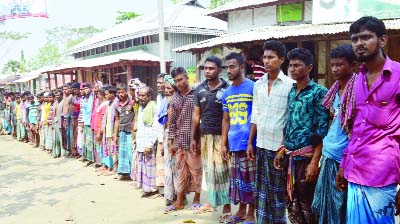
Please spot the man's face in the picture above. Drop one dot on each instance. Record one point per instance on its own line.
(50, 99)
(87, 90)
(169, 90)
(100, 96)
(211, 71)
(271, 61)
(144, 97)
(58, 97)
(341, 68)
(182, 82)
(40, 99)
(75, 91)
(18, 100)
(298, 70)
(24, 98)
(233, 69)
(160, 85)
(122, 95)
(66, 90)
(366, 45)
(31, 100)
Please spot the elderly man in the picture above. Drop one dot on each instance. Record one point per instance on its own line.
(146, 137)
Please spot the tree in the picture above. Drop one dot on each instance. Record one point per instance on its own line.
(49, 54)
(67, 37)
(12, 66)
(9, 35)
(176, 1)
(216, 3)
(125, 16)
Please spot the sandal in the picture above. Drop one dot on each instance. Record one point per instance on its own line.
(248, 222)
(233, 220)
(224, 216)
(204, 209)
(170, 209)
(195, 206)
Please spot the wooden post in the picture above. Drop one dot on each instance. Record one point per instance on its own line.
(72, 75)
(129, 73)
(63, 78)
(198, 73)
(49, 80)
(55, 80)
(111, 79)
(83, 75)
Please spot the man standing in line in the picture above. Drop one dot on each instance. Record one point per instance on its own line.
(110, 136)
(237, 103)
(24, 104)
(18, 114)
(146, 137)
(371, 161)
(124, 122)
(330, 204)
(270, 110)
(32, 117)
(58, 147)
(306, 126)
(68, 108)
(50, 121)
(88, 142)
(160, 175)
(206, 136)
(188, 163)
(76, 101)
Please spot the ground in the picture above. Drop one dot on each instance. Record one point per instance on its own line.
(34, 188)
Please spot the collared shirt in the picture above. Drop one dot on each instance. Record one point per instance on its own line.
(18, 110)
(237, 101)
(336, 140)
(270, 111)
(45, 112)
(87, 109)
(146, 135)
(307, 118)
(210, 103)
(372, 157)
(181, 119)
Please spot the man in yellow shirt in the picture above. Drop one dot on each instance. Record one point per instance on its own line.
(20, 127)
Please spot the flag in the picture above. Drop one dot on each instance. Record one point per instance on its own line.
(12, 9)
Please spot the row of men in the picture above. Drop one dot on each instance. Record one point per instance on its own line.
(265, 146)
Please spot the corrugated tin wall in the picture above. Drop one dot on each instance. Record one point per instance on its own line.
(178, 40)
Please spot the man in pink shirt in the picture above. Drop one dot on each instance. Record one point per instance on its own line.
(371, 161)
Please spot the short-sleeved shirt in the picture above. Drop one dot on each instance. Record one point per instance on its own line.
(86, 109)
(238, 101)
(126, 115)
(210, 103)
(307, 118)
(33, 112)
(336, 140)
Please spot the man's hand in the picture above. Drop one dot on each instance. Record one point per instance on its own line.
(341, 182)
(250, 152)
(171, 148)
(115, 138)
(397, 202)
(277, 162)
(311, 172)
(225, 153)
(147, 152)
(193, 145)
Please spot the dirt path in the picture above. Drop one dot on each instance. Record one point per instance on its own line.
(35, 188)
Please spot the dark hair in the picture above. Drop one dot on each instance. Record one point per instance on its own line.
(178, 71)
(161, 75)
(214, 59)
(148, 89)
(233, 55)
(26, 93)
(343, 51)
(301, 54)
(122, 86)
(368, 23)
(51, 94)
(277, 46)
(102, 91)
(112, 90)
(59, 92)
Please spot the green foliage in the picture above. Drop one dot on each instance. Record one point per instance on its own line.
(49, 54)
(9, 35)
(176, 1)
(67, 37)
(12, 66)
(125, 16)
(216, 3)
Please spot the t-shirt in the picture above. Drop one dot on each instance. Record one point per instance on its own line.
(33, 112)
(126, 115)
(210, 103)
(336, 140)
(238, 101)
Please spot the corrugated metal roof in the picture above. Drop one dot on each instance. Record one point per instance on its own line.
(8, 80)
(187, 17)
(238, 4)
(139, 55)
(277, 32)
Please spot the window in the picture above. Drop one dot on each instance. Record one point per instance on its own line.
(154, 38)
(114, 47)
(128, 43)
(136, 42)
(92, 51)
(121, 45)
(290, 12)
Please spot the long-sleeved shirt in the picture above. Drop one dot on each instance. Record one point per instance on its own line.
(87, 109)
(372, 157)
(307, 120)
(270, 111)
(181, 119)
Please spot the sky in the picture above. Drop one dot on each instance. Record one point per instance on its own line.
(75, 13)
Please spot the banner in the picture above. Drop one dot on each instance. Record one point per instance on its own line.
(12, 9)
(333, 11)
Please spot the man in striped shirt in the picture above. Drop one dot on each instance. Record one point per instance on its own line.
(32, 115)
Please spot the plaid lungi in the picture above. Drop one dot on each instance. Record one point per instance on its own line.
(88, 145)
(189, 169)
(242, 183)
(271, 191)
(98, 153)
(171, 175)
(79, 140)
(146, 172)
(49, 137)
(216, 170)
(125, 153)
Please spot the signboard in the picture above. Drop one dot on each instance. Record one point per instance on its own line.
(12, 9)
(290, 12)
(332, 11)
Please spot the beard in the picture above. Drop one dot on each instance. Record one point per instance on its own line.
(369, 57)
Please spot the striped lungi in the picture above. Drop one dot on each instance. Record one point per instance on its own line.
(49, 137)
(146, 172)
(171, 175)
(215, 170)
(79, 140)
(160, 172)
(125, 153)
(88, 146)
(271, 191)
(242, 183)
(329, 203)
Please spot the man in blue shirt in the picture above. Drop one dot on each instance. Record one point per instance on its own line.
(306, 126)
(32, 117)
(237, 103)
(329, 203)
(86, 109)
